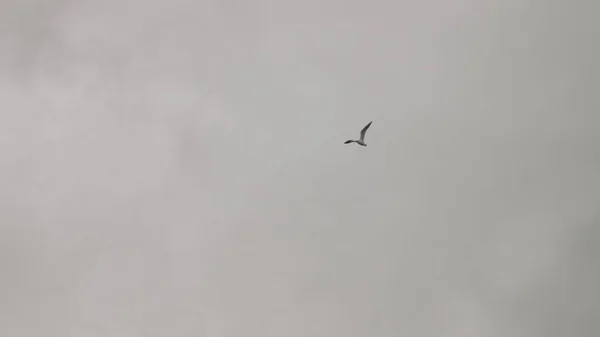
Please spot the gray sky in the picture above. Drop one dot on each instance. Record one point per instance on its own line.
(176, 168)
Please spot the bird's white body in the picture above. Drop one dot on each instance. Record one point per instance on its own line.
(360, 141)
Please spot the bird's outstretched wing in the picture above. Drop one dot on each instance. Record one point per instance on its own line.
(349, 141)
(364, 131)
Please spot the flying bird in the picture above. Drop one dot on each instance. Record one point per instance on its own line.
(361, 141)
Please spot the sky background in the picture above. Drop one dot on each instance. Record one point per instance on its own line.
(177, 168)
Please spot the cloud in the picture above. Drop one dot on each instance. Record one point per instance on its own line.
(177, 168)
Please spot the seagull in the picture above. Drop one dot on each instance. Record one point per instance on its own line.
(361, 141)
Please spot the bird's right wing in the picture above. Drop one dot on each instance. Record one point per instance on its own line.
(364, 131)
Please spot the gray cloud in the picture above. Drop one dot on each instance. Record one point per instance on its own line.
(177, 168)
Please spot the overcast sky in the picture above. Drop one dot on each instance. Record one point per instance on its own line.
(177, 168)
